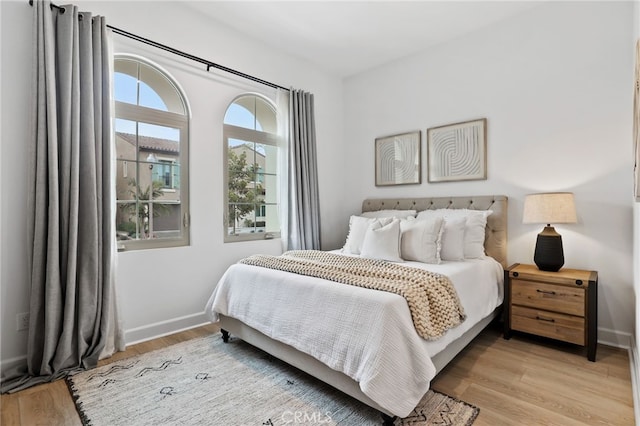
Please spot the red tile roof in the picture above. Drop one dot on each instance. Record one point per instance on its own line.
(150, 143)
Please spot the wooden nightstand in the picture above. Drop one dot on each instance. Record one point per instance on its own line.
(561, 305)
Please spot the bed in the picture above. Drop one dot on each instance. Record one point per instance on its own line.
(361, 341)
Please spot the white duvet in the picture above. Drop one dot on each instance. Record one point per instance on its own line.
(366, 334)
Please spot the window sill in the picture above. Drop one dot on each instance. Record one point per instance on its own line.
(261, 236)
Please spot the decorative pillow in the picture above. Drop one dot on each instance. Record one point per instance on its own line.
(452, 239)
(357, 229)
(400, 214)
(382, 241)
(420, 240)
(474, 232)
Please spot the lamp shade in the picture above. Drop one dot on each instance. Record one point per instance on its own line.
(550, 207)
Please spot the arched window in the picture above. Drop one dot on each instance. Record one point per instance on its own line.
(251, 169)
(152, 147)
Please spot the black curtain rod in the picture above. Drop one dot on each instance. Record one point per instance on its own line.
(209, 64)
(164, 47)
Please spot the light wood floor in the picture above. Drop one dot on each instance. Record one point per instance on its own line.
(535, 381)
(522, 381)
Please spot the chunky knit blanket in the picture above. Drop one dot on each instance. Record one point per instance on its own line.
(431, 297)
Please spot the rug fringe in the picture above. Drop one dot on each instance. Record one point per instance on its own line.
(74, 394)
(476, 410)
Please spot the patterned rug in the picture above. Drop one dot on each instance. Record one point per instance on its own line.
(207, 382)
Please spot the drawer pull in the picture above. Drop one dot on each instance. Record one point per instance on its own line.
(553, 293)
(538, 317)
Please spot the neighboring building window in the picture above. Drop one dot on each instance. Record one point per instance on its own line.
(251, 169)
(167, 172)
(152, 148)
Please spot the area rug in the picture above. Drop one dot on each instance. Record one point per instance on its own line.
(207, 382)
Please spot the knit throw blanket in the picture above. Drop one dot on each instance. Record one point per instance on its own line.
(432, 299)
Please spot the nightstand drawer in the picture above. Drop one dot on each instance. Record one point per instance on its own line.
(549, 324)
(549, 297)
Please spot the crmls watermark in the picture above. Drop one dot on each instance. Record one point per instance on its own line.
(306, 417)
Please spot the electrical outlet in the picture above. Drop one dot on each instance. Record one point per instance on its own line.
(22, 321)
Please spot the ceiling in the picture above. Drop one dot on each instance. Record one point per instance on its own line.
(348, 37)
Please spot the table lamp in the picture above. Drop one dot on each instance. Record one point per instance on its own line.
(550, 207)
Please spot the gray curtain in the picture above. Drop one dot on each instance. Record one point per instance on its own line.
(71, 231)
(304, 200)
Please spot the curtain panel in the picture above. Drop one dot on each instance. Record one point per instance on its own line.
(303, 219)
(73, 311)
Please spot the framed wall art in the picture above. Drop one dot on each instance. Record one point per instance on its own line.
(398, 159)
(457, 151)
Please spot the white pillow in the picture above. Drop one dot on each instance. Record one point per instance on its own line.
(474, 229)
(474, 233)
(420, 240)
(400, 214)
(382, 241)
(357, 229)
(453, 239)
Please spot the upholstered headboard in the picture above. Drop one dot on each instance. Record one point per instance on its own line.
(495, 242)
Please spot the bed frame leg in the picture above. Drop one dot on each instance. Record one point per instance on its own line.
(388, 420)
(225, 335)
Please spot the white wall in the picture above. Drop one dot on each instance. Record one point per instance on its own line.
(634, 352)
(164, 289)
(15, 84)
(555, 84)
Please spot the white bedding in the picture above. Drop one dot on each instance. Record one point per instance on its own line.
(366, 334)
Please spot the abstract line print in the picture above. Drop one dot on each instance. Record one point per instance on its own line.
(457, 152)
(398, 159)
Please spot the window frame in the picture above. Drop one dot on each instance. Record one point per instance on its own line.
(231, 131)
(138, 113)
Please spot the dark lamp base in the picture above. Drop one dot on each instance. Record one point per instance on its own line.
(549, 255)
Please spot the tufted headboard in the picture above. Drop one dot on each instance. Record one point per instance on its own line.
(495, 242)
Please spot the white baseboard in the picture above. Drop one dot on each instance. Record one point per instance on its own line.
(634, 361)
(133, 336)
(614, 338)
(11, 363)
(164, 328)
